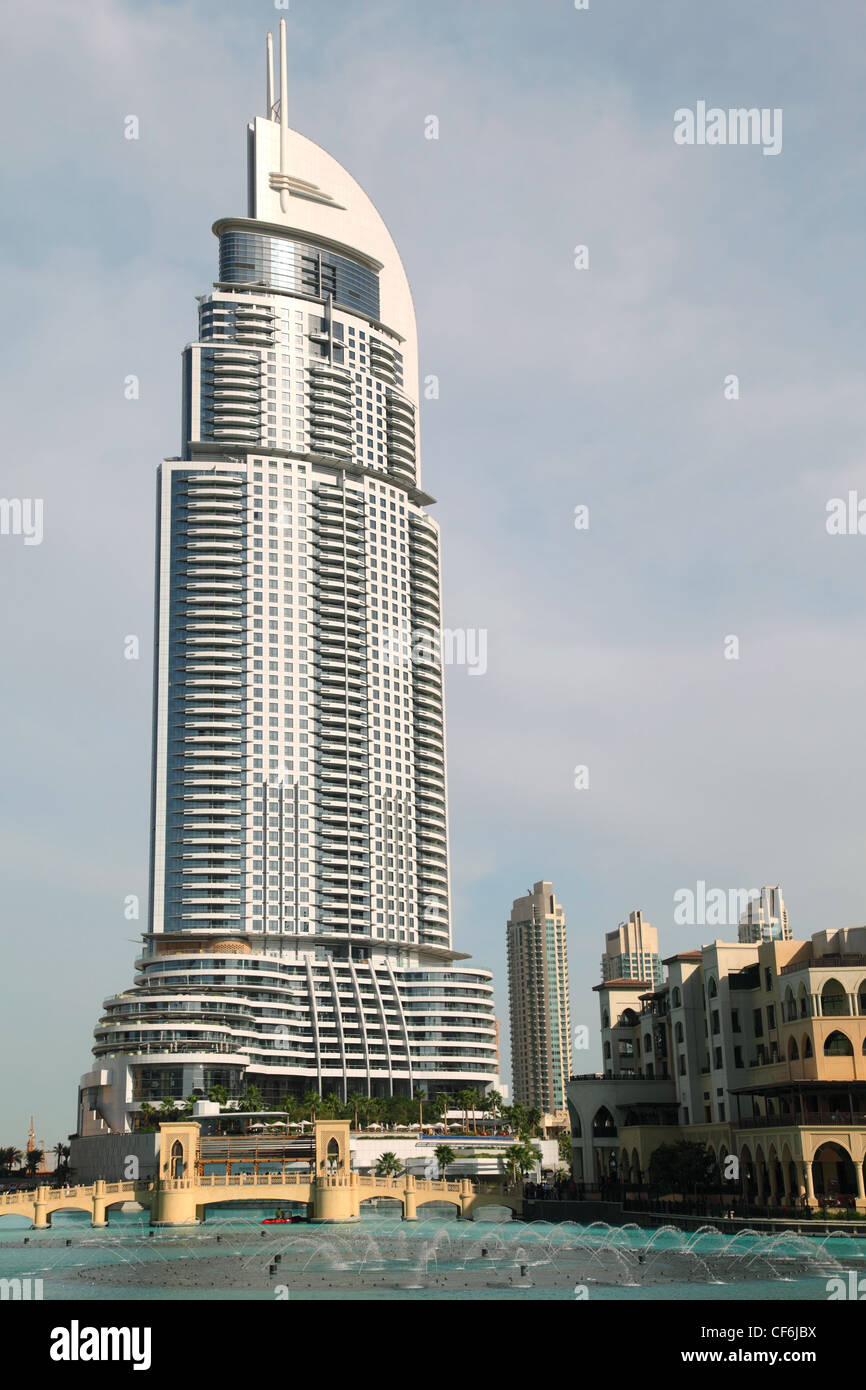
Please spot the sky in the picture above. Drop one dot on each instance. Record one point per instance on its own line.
(608, 648)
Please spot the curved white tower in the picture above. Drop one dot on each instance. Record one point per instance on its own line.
(300, 926)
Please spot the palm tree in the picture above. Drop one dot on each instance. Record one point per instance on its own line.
(521, 1159)
(289, 1106)
(252, 1100)
(494, 1104)
(61, 1153)
(464, 1100)
(420, 1097)
(356, 1102)
(147, 1116)
(312, 1102)
(441, 1105)
(518, 1118)
(533, 1118)
(32, 1161)
(331, 1106)
(444, 1155)
(476, 1100)
(9, 1158)
(388, 1166)
(167, 1112)
(218, 1095)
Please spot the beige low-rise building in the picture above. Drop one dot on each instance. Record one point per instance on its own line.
(756, 1050)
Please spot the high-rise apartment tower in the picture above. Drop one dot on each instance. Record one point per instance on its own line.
(538, 1000)
(300, 931)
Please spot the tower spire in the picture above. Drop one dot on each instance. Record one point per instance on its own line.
(269, 108)
(284, 117)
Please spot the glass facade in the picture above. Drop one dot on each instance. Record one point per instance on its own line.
(281, 263)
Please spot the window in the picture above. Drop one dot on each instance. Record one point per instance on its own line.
(738, 1056)
(758, 1023)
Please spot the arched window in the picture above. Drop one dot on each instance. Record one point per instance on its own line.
(807, 1047)
(838, 1045)
(177, 1159)
(603, 1126)
(678, 1032)
(628, 1018)
(712, 991)
(648, 1042)
(793, 1050)
(861, 997)
(834, 1000)
(676, 997)
(605, 1019)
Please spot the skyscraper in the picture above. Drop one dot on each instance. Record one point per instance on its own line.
(631, 951)
(300, 932)
(765, 918)
(538, 999)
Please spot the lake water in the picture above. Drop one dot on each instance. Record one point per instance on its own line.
(382, 1242)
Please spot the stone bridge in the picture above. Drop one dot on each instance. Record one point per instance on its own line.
(332, 1191)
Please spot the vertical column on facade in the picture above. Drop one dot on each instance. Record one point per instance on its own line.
(807, 1177)
(362, 1022)
(314, 1019)
(338, 1019)
(403, 1027)
(774, 1182)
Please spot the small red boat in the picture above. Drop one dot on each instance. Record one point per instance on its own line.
(277, 1220)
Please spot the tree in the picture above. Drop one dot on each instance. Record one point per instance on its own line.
(464, 1100)
(312, 1103)
(533, 1118)
(188, 1106)
(564, 1148)
(441, 1105)
(476, 1100)
(493, 1106)
(218, 1095)
(32, 1160)
(147, 1117)
(167, 1112)
(289, 1107)
(517, 1117)
(521, 1159)
(252, 1100)
(61, 1153)
(330, 1106)
(356, 1102)
(388, 1166)
(682, 1168)
(420, 1097)
(9, 1158)
(444, 1155)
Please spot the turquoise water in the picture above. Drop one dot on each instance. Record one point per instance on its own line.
(436, 1242)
